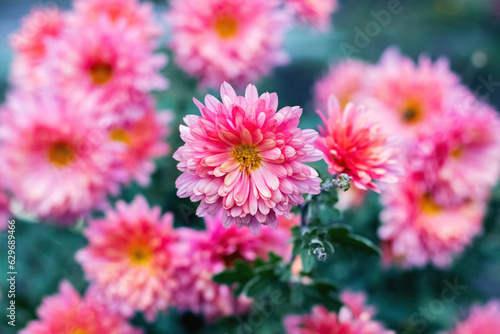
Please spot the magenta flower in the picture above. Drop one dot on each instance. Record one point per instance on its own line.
(67, 312)
(421, 226)
(136, 15)
(134, 122)
(353, 318)
(209, 252)
(355, 143)
(227, 40)
(56, 160)
(130, 258)
(482, 319)
(4, 209)
(246, 157)
(344, 80)
(316, 13)
(104, 58)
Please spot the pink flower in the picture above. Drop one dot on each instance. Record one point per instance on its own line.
(5, 214)
(67, 312)
(227, 40)
(420, 226)
(466, 150)
(134, 122)
(246, 157)
(344, 80)
(104, 58)
(130, 258)
(30, 45)
(210, 252)
(137, 15)
(314, 12)
(408, 97)
(354, 143)
(356, 320)
(56, 161)
(482, 319)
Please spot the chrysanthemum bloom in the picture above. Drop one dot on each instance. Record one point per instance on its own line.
(105, 58)
(30, 47)
(136, 14)
(314, 12)
(227, 40)
(420, 226)
(58, 162)
(482, 319)
(246, 157)
(408, 96)
(466, 147)
(355, 143)
(347, 321)
(344, 80)
(209, 252)
(134, 122)
(130, 258)
(68, 313)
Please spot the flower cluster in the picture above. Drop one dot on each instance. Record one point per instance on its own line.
(452, 140)
(246, 157)
(482, 319)
(353, 318)
(80, 121)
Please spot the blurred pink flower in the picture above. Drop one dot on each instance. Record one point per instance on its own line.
(408, 96)
(420, 227)
(227, 40)
(246, 157)
(355, 320)
(350, 199)
(482, 319)
(354, 143)
(137, 15)
(130, 258)
(210, 252)
(134, 122)
(314, 12)
(30, 43)
(56, 160)
(67, 312)
(104, 58)
(344, 80)
(5, 214)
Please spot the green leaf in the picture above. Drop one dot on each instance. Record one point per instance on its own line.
(241, 273)
(308, 261)
(344, 236)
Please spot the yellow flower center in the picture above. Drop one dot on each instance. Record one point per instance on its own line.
(457, 152)
(412, 112)
(247, 156)
(78, 331)
(101, 73)
(140, 254)
(226, 27)
(61, 154)
(429, 206)
(119, 134)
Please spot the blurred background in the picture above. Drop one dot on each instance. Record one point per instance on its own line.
(467, 32)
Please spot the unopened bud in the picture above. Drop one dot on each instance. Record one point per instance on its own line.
(344, 182)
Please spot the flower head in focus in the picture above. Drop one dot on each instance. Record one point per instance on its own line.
(227, 40)
(353, 318)
(56, 160)
(245, 156)
(482, 319)
(316, 13)
(68, 312)
(131, 257)
(355, 143)
(210, 252)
